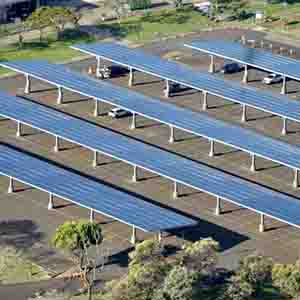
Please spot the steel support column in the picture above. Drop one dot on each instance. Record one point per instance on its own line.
(133, 236)
(98, 67)
(27, 89)
(92, 215)
(212, 68)
(95, 159)
(262, 223)
(50, 203)
(19, 129)
(131, 77)
(284, 88)
(172, 135)
(212, 148)
(244, 113)
(218, 206)
(60, 95)
(204, 104)
(245, 77)
(133, 122)
(253, 165)
(135, 174)
(175, 192)
(159, 236)
(284, 126)
(296, 178)
(56, 146)
(167, 89)
(10, 185)
(97, 108)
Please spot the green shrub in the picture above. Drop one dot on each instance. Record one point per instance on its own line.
(139, 4)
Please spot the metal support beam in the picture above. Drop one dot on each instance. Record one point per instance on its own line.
(296, 179)
(95, 159)
(19, 129)
(212, 148)
(167, 89)
(92, 215)
(159, 236)
(50, 203)
(98, 66)
(245, 77)
(172, 135)
(284, 126)
(27, 89)
(253, 165)
(244, 113)
(10, 185)
(56, 146)
(212, 68)
(97, 108)
(60, 95)
(131, 77)
(204, 104)
(133, 236)
(262, 223)
(175, 192)
(135, 174)
(133, 122)
(284, 88)
(218, 206)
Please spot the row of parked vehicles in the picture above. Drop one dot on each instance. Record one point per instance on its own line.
(107, 72)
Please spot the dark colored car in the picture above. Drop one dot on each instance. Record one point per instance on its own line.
(231, 68)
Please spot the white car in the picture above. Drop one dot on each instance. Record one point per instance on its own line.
(118, 112)
(272, 78)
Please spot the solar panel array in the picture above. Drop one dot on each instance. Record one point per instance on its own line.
(185, 171)
(196, 123)
(88, 193)
(154, 65)
(253, 57)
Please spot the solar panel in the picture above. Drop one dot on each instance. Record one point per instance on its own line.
(171, 166)
(176, 72)
(196, 123)
(253, 57)
(87, 193)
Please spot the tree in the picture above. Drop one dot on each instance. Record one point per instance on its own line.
(255, 270)
(38, 20)
(119, 7)
(237, 290)
(59, 17)
(287, 279)
(178, 3)
(79, 237)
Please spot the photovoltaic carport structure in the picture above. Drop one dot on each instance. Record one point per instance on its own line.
(171, 115)
(87, 193)
(263, 60)
(107, 201)
(135, 59)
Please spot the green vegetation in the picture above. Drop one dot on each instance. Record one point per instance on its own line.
(150, 26)
(15, 268)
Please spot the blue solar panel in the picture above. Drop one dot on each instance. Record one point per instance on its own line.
(137, 59)
(187, 172)
(196, 123)
(88, 193)
(253, 57)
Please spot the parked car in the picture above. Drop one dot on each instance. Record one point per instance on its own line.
(111, 71)
(231, 68)
(272, 78)
(174, 87)
(203, 7)
(118, 113)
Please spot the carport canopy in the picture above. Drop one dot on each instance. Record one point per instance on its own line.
(119, 205)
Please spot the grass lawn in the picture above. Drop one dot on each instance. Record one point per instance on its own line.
(15, 268)
(54, 51)
(155, 25)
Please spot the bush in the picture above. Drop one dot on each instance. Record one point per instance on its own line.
(287, 279)
(256, 270)
(139, 4)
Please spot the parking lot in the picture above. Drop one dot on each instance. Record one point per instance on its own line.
(30, 225)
